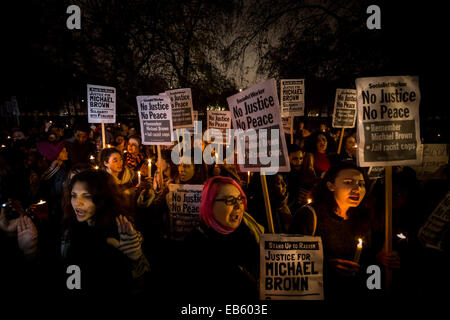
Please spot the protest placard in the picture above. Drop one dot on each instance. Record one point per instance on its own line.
(257, 108)
(155, 117)
(183, 201)
(375, 173)
(101, 104)
(435, 232)
(291, 267)
(434, 158)
(388, 132)
(344, 114)
(292, 94)
(182, 107)
(220, 120)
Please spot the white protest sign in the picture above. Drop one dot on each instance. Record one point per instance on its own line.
(375, 173)
(434, 233)
(257, 108)
(183, 201)
(182, 108)
(291, 267)
(155, 117)
(292, 94)
(434, 157)
(388, 132)
(101, 103)
(344, 114)
(218, 120)
(288, 123)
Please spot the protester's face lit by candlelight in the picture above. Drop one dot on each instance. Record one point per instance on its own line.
(81, 136)
(321, 143)
(350, 144)
(114, 163)
(228, 215)
(82, 202)
(186, 171)
(18, 135)
(63, 155)
(133, 146)
(296, 159)
(162, 164)
(349, 188)
(279, 185)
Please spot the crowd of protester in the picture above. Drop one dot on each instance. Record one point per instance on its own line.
(69, 201)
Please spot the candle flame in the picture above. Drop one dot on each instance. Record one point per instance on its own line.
(96, 167)
(360, 243)
(41, 202)
(356, 146)
(149, 162)
(139, 173)
(309, 201)
(108, 146)
(401, 236)
(91, 157)
(248, 172)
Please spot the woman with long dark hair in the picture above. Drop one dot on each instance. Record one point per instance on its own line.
(98, 235)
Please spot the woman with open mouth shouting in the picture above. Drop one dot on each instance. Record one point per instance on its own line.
(336, 214)
(224, 249)
(99, 237)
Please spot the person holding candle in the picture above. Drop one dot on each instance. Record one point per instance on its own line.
(300, 180)
(341, 221)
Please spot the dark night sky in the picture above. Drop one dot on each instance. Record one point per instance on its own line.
(413, 36)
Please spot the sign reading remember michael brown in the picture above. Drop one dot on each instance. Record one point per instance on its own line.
(388, 130)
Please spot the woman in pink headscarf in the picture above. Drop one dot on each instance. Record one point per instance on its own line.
(225, 247)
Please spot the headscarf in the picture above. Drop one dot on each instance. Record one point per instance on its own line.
(209, 193)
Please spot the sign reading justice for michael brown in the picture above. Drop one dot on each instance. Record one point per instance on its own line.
(388, 131)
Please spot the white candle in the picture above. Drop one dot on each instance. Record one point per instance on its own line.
(139, 177)
(359, 247)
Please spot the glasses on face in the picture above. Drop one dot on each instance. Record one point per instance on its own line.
(231, 201)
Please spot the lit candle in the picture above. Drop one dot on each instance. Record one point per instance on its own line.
(309, 201)
(91, 157)
(139, 177)
(401, 236)
(358, 251)
(150, 168)
(41, 202)
(96, 167)
(217, 158)
(108, 146)
(248, 177)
